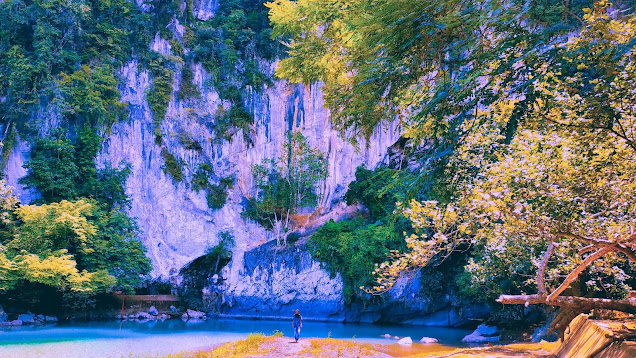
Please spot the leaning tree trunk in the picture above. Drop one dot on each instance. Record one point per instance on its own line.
(581, 304)
(577, 303)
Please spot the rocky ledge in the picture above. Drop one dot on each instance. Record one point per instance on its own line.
(20, 319)
(271, 281)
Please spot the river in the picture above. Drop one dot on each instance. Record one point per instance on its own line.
(130, 338)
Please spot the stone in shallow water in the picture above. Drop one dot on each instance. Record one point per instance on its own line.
(405, 341)
(428, 340)
(153, 311)
(386, 335)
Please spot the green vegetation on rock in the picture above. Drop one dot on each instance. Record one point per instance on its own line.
(172, 166)
(517, 134)
(285, 186)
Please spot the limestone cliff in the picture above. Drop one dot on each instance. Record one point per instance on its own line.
(178, 225)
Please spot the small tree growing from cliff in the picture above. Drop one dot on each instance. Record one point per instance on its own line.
(282, 187)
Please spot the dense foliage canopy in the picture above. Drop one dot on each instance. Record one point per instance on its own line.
(520, 114)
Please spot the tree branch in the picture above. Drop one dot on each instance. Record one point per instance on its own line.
(582, 303)
(542, 266)
(575, 274)
(627, 251)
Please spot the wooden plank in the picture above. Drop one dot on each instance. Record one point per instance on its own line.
(148, 298)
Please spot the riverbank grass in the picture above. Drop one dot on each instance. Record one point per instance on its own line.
(248, 347)
(318, 347)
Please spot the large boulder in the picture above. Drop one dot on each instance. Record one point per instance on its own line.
(27, 318)
(483, 334)
(476, 337)
(426, 340)
(487, 330)
(619, 349)
(586, 338)
(405, 341)
(153, 311)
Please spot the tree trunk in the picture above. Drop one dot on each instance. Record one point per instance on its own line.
(576, 303)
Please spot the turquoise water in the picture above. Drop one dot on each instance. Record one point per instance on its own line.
(125, 339)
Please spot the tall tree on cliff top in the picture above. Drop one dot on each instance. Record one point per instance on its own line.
(536, 131)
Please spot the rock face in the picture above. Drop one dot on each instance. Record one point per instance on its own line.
(176, 222)
(178, 226)
(272, 282)
(586, 338)
(205, 9)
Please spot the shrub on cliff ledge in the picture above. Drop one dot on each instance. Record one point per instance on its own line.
(353, 249)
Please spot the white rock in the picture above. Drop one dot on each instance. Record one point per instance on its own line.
(153, 311)
(386, 335)
(405, 341)
(195, 314)
(428, 340)
(17, 322)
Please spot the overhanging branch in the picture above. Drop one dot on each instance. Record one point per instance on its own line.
(582, 303)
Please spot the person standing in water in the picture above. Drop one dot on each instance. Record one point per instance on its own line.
(297, 324)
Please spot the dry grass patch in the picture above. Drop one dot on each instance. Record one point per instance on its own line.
(250, 346)
(329, 347)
